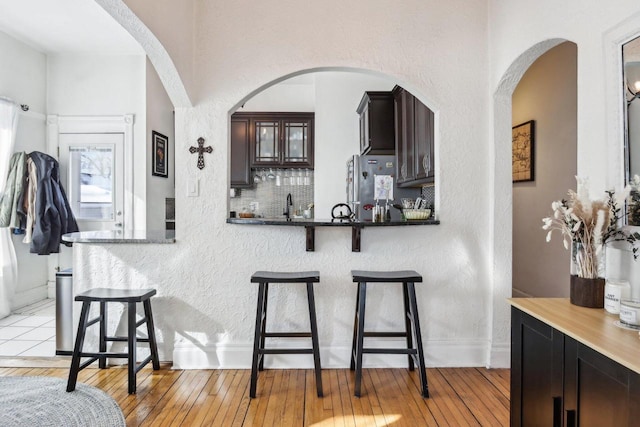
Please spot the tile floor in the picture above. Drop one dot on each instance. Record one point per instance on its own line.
(30, 331)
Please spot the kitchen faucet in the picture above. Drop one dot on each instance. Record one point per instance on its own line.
(286, 212)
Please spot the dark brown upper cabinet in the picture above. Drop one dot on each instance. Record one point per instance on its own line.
(414, 135)
(376, 123)
(280, 139)
(240, 146)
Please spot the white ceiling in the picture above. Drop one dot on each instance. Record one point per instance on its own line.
(65, 26)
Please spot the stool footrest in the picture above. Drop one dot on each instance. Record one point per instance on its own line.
(285, 351)
(390, 350)
(105, 354)
(385, 334)
(141, 322)
(287, 334)
(125, 339)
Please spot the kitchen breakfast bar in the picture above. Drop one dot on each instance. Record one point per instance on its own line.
(311, 224)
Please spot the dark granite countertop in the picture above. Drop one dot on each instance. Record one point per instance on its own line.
(121, 236)
(327, 222)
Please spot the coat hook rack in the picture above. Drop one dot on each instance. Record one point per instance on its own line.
(24, 107)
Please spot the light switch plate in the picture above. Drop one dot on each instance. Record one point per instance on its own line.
(193, 187)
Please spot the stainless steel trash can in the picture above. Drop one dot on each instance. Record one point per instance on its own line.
(64, 312)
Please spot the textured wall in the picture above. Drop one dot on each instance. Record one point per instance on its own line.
(438, 51)
(547, 94)
(203, 280)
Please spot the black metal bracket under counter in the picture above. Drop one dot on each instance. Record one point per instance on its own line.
(311, 224)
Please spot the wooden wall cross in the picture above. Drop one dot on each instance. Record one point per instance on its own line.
(200, 149)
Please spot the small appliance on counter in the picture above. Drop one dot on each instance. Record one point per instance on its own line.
(370, 182)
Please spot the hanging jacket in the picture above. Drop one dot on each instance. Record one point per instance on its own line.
(53, 216)
(13, 191)
(27, 203)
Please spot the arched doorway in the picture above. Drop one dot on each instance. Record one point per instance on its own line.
(546, 94)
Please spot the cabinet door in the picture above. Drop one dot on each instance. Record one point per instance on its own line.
(423, 141)
(365, 140)
(297, 140)
(240, 146)
(398, 117)
(536, 372)
(598, 391)
(266, 142)
(405, 131)
(377, 123)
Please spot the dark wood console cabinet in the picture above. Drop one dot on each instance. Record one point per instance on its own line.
(414, 135)
(376, 123)
(557, 380)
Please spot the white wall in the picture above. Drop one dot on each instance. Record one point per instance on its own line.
(547, 94)
(159, 118)
(103, 85)
(294, 94)
(429, 48)
(23, 79)
(337, 132)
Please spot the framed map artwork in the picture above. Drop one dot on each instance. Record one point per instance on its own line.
(523, 137)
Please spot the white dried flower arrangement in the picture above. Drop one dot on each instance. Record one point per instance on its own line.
(589, 223)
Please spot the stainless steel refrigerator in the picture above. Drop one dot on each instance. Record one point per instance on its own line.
(371, 177)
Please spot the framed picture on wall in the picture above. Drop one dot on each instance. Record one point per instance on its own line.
(523, 138)
(159, 155)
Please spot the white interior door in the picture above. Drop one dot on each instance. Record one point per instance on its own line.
(92, 171)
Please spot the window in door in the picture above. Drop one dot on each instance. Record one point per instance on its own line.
(91, 169)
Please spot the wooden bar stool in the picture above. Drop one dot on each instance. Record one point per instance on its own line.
(103, 296)
(264, 278)
(412, 323)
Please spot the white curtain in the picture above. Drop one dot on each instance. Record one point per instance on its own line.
(8, 260)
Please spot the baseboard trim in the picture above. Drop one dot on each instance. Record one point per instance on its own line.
(186, 355)
(500, 356)
(30, 296)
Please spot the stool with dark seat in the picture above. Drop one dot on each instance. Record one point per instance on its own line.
(412, 323)
(259, 350)
(103, 296)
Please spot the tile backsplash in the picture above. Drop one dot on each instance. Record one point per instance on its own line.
(267, 199)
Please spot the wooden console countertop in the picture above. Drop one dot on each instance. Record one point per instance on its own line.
(593, 327)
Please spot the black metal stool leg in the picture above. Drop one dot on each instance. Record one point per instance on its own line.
(362, 296)
(132, 342)
(263, 330)
(257, 339)
(352, 366)
(153, 345)
(314, 338)
(102, 347)
(407, 322)
(75, 360)
(418, 335)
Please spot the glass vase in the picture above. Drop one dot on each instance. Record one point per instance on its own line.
(588, 261)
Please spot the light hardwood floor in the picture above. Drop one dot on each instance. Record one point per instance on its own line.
(390, 397)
